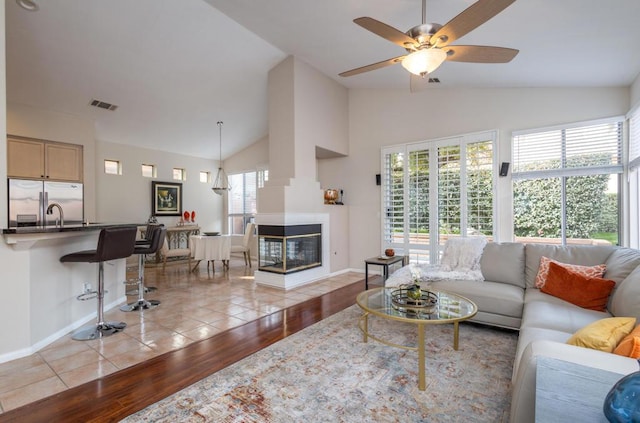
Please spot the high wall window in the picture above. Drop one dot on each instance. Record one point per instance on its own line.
(112, 167)
(179, 174)
(242, 201)
(566, 183)
(436, 190)
(148, 171)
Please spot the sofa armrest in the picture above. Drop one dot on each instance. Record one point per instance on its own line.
(523, 398)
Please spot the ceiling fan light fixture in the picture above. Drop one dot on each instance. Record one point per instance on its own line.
(424, 61)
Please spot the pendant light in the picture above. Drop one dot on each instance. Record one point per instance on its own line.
(221, 183)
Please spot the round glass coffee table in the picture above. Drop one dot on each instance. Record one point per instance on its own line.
(450, 308)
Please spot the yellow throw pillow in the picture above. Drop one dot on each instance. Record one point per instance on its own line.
(604, 334)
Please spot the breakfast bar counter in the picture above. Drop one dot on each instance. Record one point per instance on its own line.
(24, 237)
(41, 291)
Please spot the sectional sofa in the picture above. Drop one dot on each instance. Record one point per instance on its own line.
(508, 297)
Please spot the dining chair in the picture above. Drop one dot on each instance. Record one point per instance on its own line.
(245, 248)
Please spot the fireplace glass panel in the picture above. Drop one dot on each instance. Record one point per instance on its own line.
(288, 249)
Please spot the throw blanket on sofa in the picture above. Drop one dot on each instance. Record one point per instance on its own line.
(460, 261)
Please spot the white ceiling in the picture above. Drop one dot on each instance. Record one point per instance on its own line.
(176, 67)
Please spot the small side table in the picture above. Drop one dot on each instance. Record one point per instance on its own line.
(385, 263)
(568, 391)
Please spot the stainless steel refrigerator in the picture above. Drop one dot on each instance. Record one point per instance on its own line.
(29, 200)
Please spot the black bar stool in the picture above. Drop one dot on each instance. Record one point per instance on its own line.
(155, 239)
(145, 241)
(113, 243)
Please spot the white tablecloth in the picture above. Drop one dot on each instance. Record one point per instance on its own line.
(210, 247)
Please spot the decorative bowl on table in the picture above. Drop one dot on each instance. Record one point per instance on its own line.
(405, 300)
(211, 233)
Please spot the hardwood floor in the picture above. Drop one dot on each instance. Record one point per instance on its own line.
(120, 394)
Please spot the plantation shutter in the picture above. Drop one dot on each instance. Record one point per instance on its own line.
(479, 205)
(418, 196)
(634, 138)
(393, 167)
(579, 149)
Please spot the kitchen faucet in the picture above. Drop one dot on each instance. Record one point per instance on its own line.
(59, 207)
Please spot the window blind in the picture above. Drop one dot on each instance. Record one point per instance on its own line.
(579, 149)
(634, 138)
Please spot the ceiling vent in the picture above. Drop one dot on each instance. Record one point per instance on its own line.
(434, 80)
(103, 105)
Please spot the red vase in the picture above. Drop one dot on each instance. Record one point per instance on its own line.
(186, 216)
(193, 216)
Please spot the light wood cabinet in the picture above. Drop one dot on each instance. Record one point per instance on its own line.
(38, 159)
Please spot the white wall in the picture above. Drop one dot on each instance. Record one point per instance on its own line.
(251, 158)
(380, 118)
(127, 197)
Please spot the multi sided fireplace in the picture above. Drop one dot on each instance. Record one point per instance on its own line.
(290, 248)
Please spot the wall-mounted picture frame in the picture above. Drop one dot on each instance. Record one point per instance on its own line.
(166, 199)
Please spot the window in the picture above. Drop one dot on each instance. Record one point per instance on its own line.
(436, 190)
(179, 174)
(112, 167)
(263, 176)
(566, 182)
(148, 171)
(205, 177)
(242, 201)
(634, 177)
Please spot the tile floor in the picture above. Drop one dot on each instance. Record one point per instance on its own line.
(194, 306)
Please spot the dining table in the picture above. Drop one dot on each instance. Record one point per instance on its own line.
(210, 248)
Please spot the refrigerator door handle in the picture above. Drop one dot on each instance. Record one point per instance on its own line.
(41, 217)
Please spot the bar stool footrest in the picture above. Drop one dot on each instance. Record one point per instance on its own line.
(89, 295)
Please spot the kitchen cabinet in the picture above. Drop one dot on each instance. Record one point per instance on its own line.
(48, 160)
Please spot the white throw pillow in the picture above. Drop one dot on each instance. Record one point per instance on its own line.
(462, 254)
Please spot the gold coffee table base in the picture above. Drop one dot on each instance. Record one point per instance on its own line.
(451, 308)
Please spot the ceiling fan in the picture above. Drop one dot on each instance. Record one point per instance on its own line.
(428, 44)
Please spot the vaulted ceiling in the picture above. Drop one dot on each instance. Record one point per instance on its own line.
(176, 67)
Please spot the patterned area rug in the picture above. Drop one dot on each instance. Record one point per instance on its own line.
(327, 373)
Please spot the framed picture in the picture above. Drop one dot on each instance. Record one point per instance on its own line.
(166, 199)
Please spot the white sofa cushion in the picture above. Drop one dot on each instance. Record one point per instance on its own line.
(625, 300)
(621, 263)
(530, 334)
(549, 312)
(503, 262)
(499, 298)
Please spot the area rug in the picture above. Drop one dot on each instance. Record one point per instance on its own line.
(326, 373)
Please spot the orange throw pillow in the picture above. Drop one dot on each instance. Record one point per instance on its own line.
(583, 291)
(596, 271)
(630, 345)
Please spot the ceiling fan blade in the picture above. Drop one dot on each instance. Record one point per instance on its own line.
(387, 32)
(471, 18)
(373, 66)
(480, 54)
